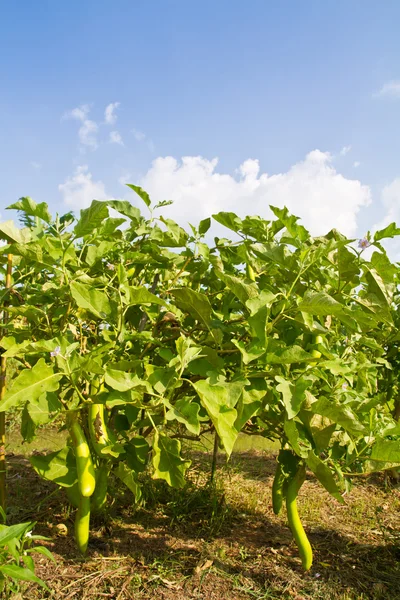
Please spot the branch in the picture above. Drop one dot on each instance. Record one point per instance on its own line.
(144, 319)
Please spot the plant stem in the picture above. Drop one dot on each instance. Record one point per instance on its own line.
(3, 367)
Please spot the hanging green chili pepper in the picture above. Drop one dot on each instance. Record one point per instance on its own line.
(84, 464)
(295, 524)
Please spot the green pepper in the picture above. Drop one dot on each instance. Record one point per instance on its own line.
(96, 421)
(250, 272)
(82, 524)
(278, 491)
(100, 493)
(97, 428)
(294, 521)
(317, 339)
(84, 464)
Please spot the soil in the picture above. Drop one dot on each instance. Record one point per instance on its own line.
(214, 543)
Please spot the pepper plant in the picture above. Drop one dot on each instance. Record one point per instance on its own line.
(139, 333)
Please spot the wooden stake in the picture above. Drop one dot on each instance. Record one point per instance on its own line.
(214, 457)
(3, 368)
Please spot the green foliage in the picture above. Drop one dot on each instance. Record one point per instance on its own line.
(16, 549)
(188, 338)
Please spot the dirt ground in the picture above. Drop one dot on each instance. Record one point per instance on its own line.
(214, 543)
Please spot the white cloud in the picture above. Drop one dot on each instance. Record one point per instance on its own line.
(115, 138)
(79, 190)
(109, 114)
(356, 164)
(311, 189)
(125, 178)
(87, 134)
(345, 150)
(36, 165)
(391, 88)
(139, 135)
(142, 137)
(390, 198)
(88, 131)
(80, 113)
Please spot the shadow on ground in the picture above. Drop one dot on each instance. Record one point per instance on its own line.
(212, 542)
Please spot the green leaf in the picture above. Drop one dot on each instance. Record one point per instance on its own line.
(322, 430)
(229, 220)
(96, 252)
(258, 324)
(250, 352)
(259, 312)
(347, 265)
(59, 467)
(141, 193)
(186, 352)
(174, 237)
(41, 409)
(376, 286)
(129, 478)
(90, 299)
(286, 356)
(30, 384)
(137, 451)
(29, 207)
(28, 347)
(141, 295)
(324, 475)
(382, 265)
(204, 226)
(9, 532)
(28, 427)
(22, 574)
(336, 367)
(272, 253)
(261, 300)
(297, 437)
(320, 303)
(125, 208)
(186, 412)
(290, 222)
(372, 466)
(342, 415)
(215, 400)
(388, 232)
(114, 397)
(167, 461)
(243, 291)
(209, 361)
(194, 303)
(293, 395)
(91, 218)
(123, 381)
(386, 451)
(41, 550)
(161, 378)
(248, 406)
(28, 562)
(10, 233)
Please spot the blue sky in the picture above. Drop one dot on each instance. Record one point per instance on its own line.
(310, 90)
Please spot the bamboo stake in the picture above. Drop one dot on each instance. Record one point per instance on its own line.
(214, 457)
(3, 368)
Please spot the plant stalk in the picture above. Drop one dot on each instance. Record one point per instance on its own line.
(3, 369)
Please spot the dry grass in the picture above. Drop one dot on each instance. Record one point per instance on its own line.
(214, 544)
